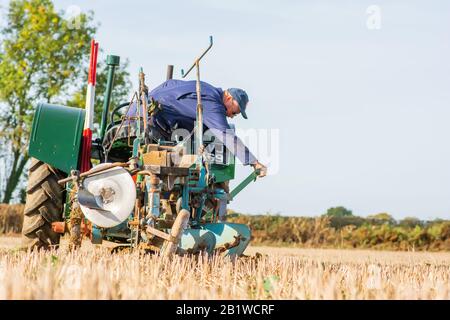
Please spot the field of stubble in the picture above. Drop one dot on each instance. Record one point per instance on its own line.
(281, 273)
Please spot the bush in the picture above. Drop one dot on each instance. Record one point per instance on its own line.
(379, 231)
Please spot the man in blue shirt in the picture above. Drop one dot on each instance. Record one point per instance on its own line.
(179, 104)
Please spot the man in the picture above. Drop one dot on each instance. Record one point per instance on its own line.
(179, 104)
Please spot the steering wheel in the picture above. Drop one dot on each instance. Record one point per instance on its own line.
(115, 113)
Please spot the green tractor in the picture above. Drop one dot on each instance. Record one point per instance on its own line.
(162, 196)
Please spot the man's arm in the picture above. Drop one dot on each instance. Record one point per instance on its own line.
(237, 147)
(217, 123)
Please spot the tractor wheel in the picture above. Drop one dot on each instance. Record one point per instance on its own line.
(44, 205)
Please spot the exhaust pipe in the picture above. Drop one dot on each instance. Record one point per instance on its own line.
(169, 72)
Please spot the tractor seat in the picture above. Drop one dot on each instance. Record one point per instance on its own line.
(128, 129)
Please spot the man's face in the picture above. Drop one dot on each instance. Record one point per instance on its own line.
(231, 105)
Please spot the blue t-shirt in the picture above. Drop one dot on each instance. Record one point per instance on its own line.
(179, 106)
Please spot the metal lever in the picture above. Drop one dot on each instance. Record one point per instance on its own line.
(199, 114)
(183, 75)
(243, 184)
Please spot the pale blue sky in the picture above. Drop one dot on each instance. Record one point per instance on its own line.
(363, 114)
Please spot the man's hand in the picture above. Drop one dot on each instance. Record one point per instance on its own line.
(262, 169)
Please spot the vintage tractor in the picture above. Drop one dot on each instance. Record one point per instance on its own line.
(158, 195)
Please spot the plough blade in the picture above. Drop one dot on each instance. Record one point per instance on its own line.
(229, 239)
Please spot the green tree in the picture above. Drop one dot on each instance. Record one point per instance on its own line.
(410, 222)
(42, 58)
(339, 212)
(382, 217)
(122, 87)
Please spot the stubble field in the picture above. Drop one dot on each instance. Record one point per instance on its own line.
(279, 273)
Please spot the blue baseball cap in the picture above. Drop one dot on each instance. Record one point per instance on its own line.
(241, 97)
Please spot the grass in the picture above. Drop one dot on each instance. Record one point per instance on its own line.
(281, 273)
(95, 273)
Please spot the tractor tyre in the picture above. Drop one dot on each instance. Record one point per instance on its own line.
(44, 205)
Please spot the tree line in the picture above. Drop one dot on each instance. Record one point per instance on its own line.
(326, 231)
(336, 230)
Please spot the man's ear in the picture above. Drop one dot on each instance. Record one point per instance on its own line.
(225, 96)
